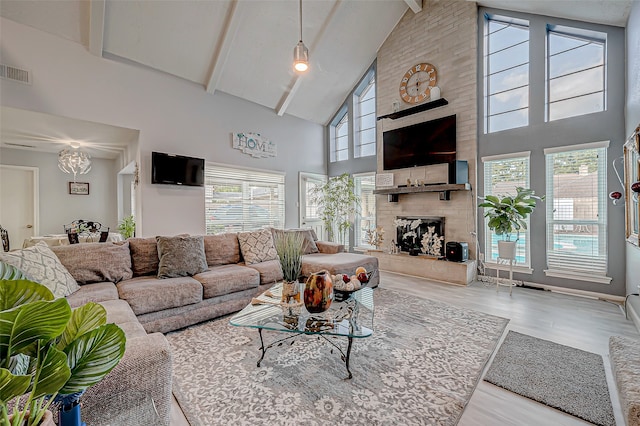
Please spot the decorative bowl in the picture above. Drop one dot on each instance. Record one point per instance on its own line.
(343, 295)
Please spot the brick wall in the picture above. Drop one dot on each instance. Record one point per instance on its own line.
(444, 34)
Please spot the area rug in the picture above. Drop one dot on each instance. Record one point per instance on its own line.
(559, 376)
(420, 367)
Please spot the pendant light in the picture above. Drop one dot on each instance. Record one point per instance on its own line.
(300, 52)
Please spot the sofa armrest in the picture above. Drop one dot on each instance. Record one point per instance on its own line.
(146, 369)
(328, 247)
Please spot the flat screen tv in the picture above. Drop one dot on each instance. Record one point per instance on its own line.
(176, 169)
(431, 142)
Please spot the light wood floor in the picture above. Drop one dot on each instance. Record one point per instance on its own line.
(570, 320)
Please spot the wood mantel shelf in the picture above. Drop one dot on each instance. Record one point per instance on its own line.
(424, 188)
(416, 109)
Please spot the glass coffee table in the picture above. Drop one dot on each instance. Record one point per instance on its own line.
(350, 319)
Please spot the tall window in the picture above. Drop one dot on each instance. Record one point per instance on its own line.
(340, 138)
(506, 74)
(365, 119)
(502, 175)
(576, 72)
(577, 212)
(242, 199)
(365, 219)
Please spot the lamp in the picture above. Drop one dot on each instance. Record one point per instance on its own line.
(300, 52)
(70, 160)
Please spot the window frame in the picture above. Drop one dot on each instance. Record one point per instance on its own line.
(367, 85)
(357, 225)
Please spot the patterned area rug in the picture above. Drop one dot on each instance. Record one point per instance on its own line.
(559, 376)
(420, 367)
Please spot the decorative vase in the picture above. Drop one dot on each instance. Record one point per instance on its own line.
(507, 249)
(290, 292)
(318, 292)
(70, 416)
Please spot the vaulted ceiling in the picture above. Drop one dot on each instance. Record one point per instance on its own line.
(245, 47)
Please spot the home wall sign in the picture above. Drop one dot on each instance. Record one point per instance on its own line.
(254, 145)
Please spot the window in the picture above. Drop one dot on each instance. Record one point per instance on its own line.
(506, 74)
(365, 219)
(577, 212)
(242, 199)
(502, 175)
(340, 139)
(576, 72)
(365, 119)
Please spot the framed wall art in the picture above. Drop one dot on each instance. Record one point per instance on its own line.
(79, 188)
(631, 176)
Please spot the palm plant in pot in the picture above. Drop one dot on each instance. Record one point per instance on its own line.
(289, 246)
(49, 353)
(508, 215)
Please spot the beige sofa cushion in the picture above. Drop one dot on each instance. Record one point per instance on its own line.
(96, 262)
(181, 256)
(226, 279)
(144, 256)
(149, 294)
(270, 271)
(257, 246)
(222, 249)
(97, 292)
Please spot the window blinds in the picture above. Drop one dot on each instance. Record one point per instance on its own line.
(242, 199)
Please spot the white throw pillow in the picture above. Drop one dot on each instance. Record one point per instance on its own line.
(257, 246)
(41, 265)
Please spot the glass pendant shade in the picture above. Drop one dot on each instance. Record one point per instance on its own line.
(300, 57)
(74, 162)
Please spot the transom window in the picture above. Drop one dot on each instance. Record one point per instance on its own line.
(340, 139)
(577, 212)
(506, 74)
(365, 120)
(576, 72)
(242, 199)
(502, 175)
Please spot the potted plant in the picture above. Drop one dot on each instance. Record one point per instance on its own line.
(338, 203)
(507, 215)
(289, 246)
(127, 227)
(49, 353)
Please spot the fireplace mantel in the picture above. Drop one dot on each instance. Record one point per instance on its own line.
(443, 189)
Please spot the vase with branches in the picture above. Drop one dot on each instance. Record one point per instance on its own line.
(289, 246)
(338, 203)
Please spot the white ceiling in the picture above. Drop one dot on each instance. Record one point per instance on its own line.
(245, 47)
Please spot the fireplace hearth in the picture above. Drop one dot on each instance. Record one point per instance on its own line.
(420, 235)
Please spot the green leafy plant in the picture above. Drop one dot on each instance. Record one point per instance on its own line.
(289, 246)
(338, 203)
(48, 351)
(127, 227)
(508, 214)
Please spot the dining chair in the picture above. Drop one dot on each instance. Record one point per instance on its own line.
(4, 234)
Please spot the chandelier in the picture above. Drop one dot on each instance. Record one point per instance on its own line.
(74, 161)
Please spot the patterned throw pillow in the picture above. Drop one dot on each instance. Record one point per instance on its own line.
(41, 265)
(257, 246)
(181, 256)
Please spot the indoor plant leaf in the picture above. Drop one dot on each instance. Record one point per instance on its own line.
(54, 373)
(83, 319)
(12, 385)
(10, 272)
(20, 292)
(92, 356)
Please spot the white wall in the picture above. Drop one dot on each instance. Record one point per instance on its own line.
(173, 115)
(58, 207)
(632, 120)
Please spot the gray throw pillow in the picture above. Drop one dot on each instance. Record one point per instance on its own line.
(181, 256)
(96, 262)
(257, 246)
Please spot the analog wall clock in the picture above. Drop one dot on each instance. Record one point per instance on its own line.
(416, 83)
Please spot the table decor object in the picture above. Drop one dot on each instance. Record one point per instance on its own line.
(318, 292)
(289, 246)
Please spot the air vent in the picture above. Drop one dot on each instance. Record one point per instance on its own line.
(12, 73)
(19, 144)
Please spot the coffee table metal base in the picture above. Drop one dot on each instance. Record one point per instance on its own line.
(343, 356)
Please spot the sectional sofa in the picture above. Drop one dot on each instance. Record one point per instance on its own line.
(151, 286)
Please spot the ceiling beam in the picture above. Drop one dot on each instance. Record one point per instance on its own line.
(415, 5)
(96, 26)
(232, 24)
(287, 97)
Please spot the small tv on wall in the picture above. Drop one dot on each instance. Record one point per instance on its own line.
(176, 169)
(423, 144)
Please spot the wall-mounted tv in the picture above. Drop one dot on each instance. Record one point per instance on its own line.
(176, 169)
(431, 142)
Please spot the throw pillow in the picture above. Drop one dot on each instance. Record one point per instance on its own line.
(41, 265)
(96, 262)
(181, 256)
(222, 249)
(144, 256)
(257, 246)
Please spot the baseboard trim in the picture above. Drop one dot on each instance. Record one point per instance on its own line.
(576, 292)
